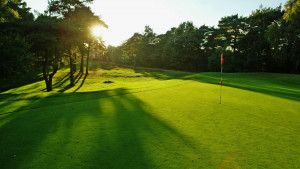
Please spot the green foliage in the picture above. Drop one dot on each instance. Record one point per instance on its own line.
(75, 31)
(232, 29)
(46, 46)
(292, 10)
(180, 48)
(7, 14)
(256, 51)
(15, 57)
(21, 8)
(14, 10)
(62, 8)
(265, 41)
(284, 38)
(114, 54)
(49, 38)
(130, 49)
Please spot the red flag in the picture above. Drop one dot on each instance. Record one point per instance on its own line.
(221, 82)
(222, 59)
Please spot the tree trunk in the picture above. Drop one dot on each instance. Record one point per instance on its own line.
(87, 59)
(74, 63)
(48, 86)
(48, 77)
(45, 71)
(81, 63)
(71, 69)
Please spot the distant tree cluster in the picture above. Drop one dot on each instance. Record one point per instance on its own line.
(268, 40)
(61, 34)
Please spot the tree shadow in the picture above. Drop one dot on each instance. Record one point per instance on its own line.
(78, 77)
(65, 88)
(61, 81)
(15, 82)
(104, 129)
(268, 83)
(82, 82)
(76, 80)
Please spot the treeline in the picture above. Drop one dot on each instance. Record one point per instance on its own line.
(268, 40)
(61, 34)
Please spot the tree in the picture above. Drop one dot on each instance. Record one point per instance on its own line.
(7, 14)
(147, 52)
(254, 45)
(84, 26)
(267, 40)
(284, 37)
(76, 29)
(45, 38)
(232, 29)
(69, 38)
(15, 56)
(114, 54)
(62, 8)
(131, 47)
(292, 17)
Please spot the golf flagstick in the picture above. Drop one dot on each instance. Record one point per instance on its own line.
(221, 83)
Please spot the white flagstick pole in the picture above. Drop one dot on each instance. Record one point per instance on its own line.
(221, 86)
(221, 83)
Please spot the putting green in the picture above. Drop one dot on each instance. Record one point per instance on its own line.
(152, 119)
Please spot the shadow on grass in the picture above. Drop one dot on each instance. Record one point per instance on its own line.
(76, 79)
(82, 82)
(280, 85)
(106, 129)
(15, 82)
(61, 81)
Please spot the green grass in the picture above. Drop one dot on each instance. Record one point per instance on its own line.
(151, 119)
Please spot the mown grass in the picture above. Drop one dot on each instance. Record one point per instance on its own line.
(120, 118)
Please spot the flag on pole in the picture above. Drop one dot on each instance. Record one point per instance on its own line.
(222, 59)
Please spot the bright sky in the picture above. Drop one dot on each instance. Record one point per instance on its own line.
(125, 17)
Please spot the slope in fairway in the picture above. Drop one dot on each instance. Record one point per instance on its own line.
(120, 118)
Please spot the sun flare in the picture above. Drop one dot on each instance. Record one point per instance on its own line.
(97, 31)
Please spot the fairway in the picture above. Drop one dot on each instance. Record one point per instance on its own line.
(121, 118)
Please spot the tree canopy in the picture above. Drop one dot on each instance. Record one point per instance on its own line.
(265, 41)
(58, 35)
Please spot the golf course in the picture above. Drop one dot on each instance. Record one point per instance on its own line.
(118, 117)
(149, 84)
